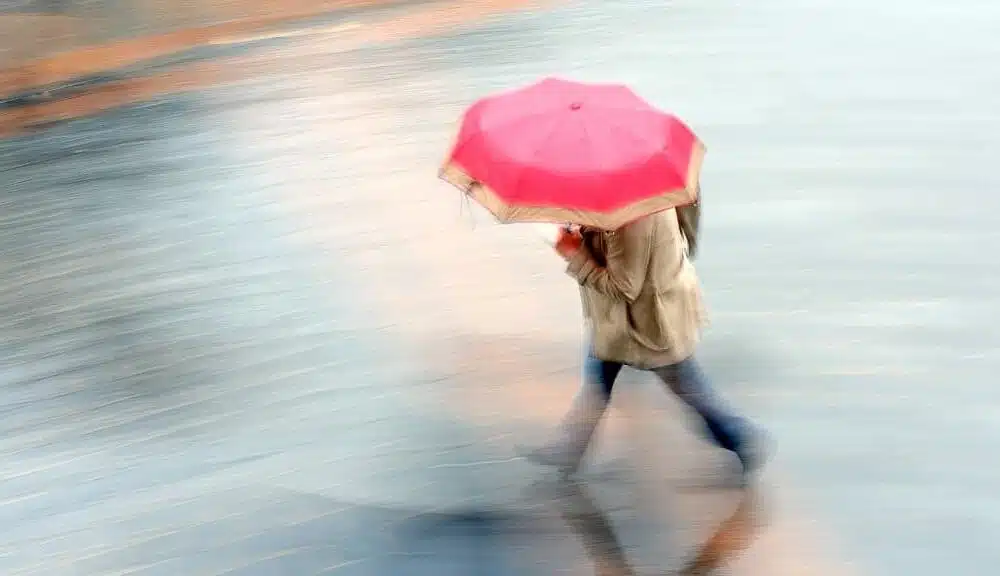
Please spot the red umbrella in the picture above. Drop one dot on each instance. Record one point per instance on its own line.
(567, 152)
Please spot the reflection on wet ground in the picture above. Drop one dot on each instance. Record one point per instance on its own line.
(598, 534)
(583, 514)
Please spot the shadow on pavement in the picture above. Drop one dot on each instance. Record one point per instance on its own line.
(520, 538)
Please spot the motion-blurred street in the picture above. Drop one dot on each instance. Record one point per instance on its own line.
(246, 331)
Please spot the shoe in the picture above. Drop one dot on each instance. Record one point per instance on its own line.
(754, 451)
(553, 455)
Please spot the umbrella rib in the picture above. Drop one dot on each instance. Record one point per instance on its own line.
(548, 137)
(514, 123)
(590, 145)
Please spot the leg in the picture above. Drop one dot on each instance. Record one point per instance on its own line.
(590, 402)
(727, 429)
(584, 415)
(598, 382)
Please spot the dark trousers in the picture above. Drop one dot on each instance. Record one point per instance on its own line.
(685, 379)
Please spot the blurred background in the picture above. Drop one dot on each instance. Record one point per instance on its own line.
(246, 331)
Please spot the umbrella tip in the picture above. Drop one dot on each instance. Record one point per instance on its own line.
(576, 105)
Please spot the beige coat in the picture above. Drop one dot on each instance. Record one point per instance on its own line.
(640, 292)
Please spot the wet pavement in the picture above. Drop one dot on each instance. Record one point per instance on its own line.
(248, 332)
(45, 44)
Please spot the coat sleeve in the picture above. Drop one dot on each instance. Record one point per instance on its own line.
(627, 256)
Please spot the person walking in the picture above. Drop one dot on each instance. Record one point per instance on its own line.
(643, 307)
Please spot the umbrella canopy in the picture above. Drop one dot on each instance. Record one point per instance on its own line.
(569, 152)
